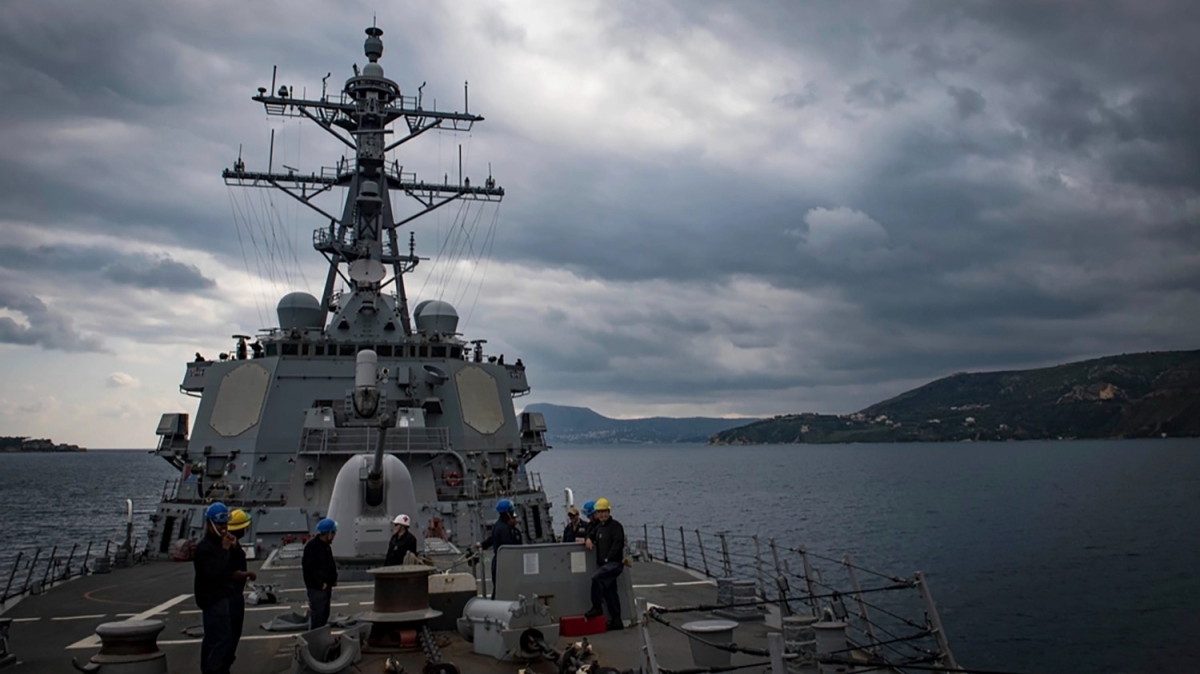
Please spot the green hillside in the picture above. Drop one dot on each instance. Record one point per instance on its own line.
(1127, 396)
(582, 426)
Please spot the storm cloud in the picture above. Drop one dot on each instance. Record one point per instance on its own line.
(44, 326)
(712, 207)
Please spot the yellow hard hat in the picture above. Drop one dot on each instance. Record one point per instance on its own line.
(601, 504)
(239, 519)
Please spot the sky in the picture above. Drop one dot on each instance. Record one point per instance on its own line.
(713, 208)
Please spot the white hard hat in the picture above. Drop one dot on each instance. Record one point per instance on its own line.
(402, 519)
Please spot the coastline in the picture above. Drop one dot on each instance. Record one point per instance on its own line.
(26, 445)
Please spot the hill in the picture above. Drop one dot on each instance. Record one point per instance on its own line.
(582, 426)
(20, 443)
(1127, 396)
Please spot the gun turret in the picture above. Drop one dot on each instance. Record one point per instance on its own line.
(366, 406)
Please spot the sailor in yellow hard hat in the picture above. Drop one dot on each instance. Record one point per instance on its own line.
(607, 537)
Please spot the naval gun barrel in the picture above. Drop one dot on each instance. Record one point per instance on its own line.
(374, 495)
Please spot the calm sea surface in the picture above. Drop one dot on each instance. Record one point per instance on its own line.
(1043, 557)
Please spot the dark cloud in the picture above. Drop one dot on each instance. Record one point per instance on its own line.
(150, 272)
(967, 101)
(47, 328)
(788, 211)
(798, 99)
(875, 94)
(161, 273)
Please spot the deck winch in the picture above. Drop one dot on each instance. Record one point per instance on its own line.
(509, 630)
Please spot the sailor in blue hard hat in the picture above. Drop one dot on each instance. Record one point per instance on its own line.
(212, 588)
(320, 572)
(504, 532)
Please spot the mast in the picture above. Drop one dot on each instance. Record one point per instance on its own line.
(362, 244)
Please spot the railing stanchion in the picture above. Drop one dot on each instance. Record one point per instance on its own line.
(703, 557)
(646, 537)
(86, 556)
(939, 631)
(725, 555)
(11, 574)
(762, 586)
(67, 566)
(781, 583)
(862, 607)
(808, 580)
(29, 576)
(663, 529)
(683, 547)
(642, 623)
(49, 565)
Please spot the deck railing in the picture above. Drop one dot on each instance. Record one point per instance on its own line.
(33, 571)
(891, 618)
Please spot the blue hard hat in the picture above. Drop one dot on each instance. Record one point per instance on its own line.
(589, 509)
(326, 526)
(504, 506)
(217, 513)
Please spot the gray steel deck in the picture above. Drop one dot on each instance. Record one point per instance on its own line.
(51, 628)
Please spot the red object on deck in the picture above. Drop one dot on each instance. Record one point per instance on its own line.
(578, 626)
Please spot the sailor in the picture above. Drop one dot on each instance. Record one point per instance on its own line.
(607, 538)
(402, 543)
(504, 532)
(212, 586)
(239, 524)
(576, 529)
(589, 512)
(199, 358)
(320, 572)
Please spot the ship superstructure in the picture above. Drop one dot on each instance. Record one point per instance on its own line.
(276, 421)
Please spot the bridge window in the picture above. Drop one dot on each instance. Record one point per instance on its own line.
(291, 349)
(346, 350)
(272, 349)
(439, 352)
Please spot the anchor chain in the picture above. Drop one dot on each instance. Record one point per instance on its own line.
(433, 655)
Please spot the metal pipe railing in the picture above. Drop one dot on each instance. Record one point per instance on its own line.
(34, 571)
(744, 557)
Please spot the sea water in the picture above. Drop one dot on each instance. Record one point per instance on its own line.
(1042, 556)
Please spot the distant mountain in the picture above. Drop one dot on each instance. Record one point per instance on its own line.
(580, 425)
(21, 443)
(1127, 396)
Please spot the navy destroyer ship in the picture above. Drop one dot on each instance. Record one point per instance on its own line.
(358, 407)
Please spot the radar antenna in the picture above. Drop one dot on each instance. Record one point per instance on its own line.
(369, 103)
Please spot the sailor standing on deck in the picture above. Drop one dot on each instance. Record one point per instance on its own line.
(239, 524)
(607, 538)
(213, 584)
(402, 542)
(504, 532)
(576, 529)
(320, 572)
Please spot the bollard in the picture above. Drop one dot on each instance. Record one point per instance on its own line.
(127, 647)
(831, 643)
